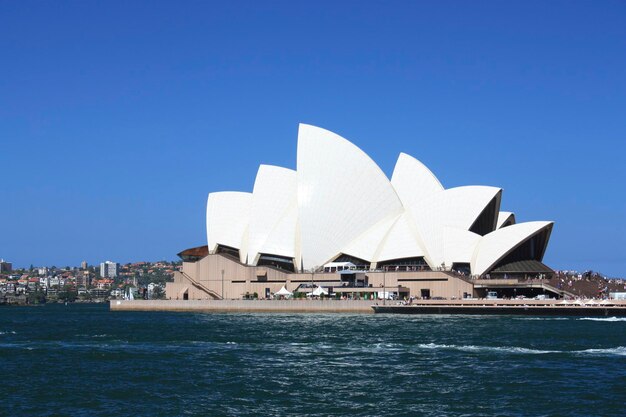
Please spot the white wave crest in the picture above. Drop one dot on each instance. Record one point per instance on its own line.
(618, 351)
(608, 319)
(502, 349)
(541, 318)
(7, 332)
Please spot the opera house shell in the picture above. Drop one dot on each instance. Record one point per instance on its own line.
(339, 206)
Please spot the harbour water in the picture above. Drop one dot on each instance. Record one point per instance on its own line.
(83, 360)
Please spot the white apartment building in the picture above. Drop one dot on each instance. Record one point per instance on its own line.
(109, 269)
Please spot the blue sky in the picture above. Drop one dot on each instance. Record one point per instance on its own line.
(117, 118)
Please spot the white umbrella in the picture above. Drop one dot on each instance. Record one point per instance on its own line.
(606, 302)
(591, 303)
(284, 292)
(319, 291)
(578, 302)
(564, 303)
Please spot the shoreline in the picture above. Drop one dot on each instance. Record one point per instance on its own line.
(510, 310)
(245, 306)
(25, 304)
(495, 307)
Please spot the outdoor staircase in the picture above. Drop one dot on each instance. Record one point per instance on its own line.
(562, 293)
(201, 286)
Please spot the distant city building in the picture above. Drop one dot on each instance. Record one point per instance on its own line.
(83, 279)
(103, 284)
(109, 269)
(5, 266)
(42, 271)
(84, 265)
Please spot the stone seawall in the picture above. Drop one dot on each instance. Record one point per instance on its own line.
(349, 306)
(245, 306)
(529, 310)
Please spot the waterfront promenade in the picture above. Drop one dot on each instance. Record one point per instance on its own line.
(246, 306)
(474, 306)
(507, 310)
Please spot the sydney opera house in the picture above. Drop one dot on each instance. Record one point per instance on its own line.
(339, 222)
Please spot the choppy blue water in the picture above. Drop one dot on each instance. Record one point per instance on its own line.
(82, 360)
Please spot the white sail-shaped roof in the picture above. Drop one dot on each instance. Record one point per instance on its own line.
(341, 194)
(413, 181)
(273, 214)
(505, 217)
(366, 245)
(499, 243)
(340, 202)
(227, 217)
(446, 245)
(455, 207)
(282, 239)
(402, 241)
(458, 246)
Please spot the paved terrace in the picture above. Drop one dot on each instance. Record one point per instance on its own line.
(246, 306)
(318, 306)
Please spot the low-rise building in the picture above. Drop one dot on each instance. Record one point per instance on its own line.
(99, 292)
(33, 283)
(103, 284)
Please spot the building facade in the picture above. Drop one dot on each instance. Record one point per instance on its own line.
(338, 207)
(109, 269)
(5, 267)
